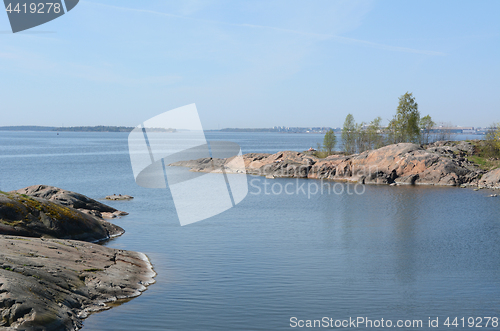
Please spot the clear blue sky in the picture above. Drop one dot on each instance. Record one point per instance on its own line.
(253, 63)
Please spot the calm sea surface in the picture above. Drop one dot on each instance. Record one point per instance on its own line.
(392, 252)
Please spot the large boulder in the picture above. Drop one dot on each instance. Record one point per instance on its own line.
(71, 199)
(491, 179)
(31, 216)
(64, 197)
(405, 163)
(449, 148)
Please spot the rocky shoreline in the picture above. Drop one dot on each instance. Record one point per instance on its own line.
(52, 273)
(442, 164)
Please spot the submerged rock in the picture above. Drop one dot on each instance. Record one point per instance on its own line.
(119, 197)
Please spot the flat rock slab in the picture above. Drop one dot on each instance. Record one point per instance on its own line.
(53, 284)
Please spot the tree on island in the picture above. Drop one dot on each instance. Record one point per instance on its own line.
(404, 127)
(369, 136)
(374, 134)
(492, 141)
(426, 124)
(497, 136)
(358, 137)
(329, 142)
(348, 136)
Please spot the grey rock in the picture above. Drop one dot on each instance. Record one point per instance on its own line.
(29, 216)
(53, 284)
(65, 198)
(491, 179)
(119, 197)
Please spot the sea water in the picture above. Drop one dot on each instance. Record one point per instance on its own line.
(392, 253)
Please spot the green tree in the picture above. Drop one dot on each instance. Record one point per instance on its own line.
(374, 134)
(348, 136)
(492, 141)
(426, 124)
(360, 138)
(404, 126)
(329, 141)
(497, 136)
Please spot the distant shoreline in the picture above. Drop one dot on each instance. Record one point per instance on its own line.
(313, 132)
(99, 128)
(103, 128)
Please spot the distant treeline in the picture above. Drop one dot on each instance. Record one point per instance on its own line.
(405, 127)
(99, 128)
(27, 128)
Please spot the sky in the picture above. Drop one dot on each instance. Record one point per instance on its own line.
(253, 64)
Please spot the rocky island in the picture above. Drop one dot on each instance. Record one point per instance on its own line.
(442, 163)
(52, 273)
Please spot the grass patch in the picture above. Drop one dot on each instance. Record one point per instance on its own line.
(484, 156)
(11, 222)
(53, 210)
(484, 162)
(320, 154)
(7, 194)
